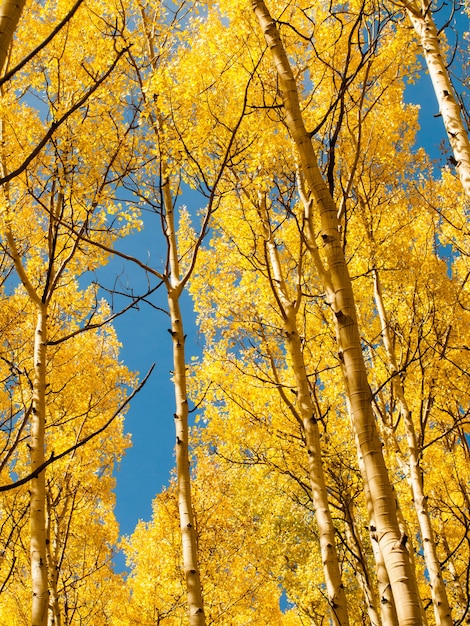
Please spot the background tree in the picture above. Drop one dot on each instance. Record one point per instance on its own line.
(170, 154)
(53, 184)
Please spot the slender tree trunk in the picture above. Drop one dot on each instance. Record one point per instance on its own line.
(54, 617)
(38, 553)
(334, 586)
(353, 540)
(392, 543)
(188, 531)
(388, 612)
(423, 23)
(10, 13)
(175, 286)
(441, 605)
(460, 590)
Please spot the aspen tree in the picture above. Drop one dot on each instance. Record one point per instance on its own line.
(37, 447)
(47, 256)
(182, 155)
(157, 188)
(408, 428)
(235, 565)
(257, 361)
(439, 595)
(188, 118)
(289, 304)
(388, 611)
(357, 549)
(391, 542)
(39, 574)
(421, 16)
(79, 523)
(460, 592)
(376, 163)
(187, 523)
(174, 283)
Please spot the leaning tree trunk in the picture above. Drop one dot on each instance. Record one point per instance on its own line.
(440, 601)
(334, 587)
(392, 543)
(423, 23)
(388, 611)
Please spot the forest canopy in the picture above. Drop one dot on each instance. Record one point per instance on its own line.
(321, 437)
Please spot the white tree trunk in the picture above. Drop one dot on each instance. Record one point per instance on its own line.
(334, 587)
(54, 616)
(449, 108)
(188, 530)
(441, 605)
(341, 297)
(39, 577)
(388, 612)
(460, 590)
(354, 542)
(38, 553)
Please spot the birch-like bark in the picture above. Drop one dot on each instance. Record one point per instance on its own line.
(405, 532)
(37, 514)
(39, 577)
(10, 13)
(421, 17)
(334, 587)
(188, 531)
(174, 286)
(341, 297)
(440, 601)
(388, 612)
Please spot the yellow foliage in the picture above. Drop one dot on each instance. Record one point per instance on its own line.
(195, 101)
